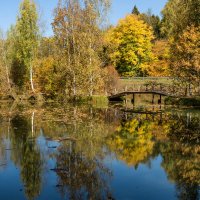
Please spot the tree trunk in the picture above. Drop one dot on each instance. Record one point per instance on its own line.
(31, 78)
(74, 86)
(32, 124)
(6, 65)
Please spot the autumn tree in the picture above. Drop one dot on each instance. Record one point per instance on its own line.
(185, 56)
(131, 47)
(26, 44)
(77, 32)
(160, 64)
(47, 73)
(181, 21)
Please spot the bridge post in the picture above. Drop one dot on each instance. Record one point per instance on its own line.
(152, 98)
(160, 87)
(160, 99)
(125, 89)
(133, 99)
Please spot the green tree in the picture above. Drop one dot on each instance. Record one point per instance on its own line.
(131, 46)
(153, 21)
(27, 35)
(5, 84)
(135, 10)
(179, 14)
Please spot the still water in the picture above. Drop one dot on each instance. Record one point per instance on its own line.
(74, 152)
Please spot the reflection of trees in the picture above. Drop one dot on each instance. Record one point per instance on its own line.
(133, 141)
(185, 128)
(187, 191)
(176, 137)
(80, 176)
(26, 155)
(86, 126)
(4, 126)
(181, 155)
(80, 168)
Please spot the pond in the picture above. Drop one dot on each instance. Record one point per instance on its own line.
(99, 152)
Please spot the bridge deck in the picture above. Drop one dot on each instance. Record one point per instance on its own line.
(121, 94)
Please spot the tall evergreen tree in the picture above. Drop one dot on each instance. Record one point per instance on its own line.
(153, 21)
(135, 11)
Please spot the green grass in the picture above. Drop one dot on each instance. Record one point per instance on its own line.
(146, 80)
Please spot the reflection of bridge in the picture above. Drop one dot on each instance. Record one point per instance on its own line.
(24, 97)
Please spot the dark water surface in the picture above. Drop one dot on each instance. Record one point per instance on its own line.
(89, 152)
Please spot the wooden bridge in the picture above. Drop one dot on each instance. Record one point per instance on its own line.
(125, 93)
(152, 88)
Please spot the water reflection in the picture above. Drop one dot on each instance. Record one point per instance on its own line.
(26, 155)
(175, 137)
(181, 155)
(80, 175)
(91, 143)
(133, 140)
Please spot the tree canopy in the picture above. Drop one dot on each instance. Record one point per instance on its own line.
(132, 47)
(26, 43)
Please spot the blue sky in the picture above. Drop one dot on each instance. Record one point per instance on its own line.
(120, 8)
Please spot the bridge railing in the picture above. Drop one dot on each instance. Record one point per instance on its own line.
(168, 89)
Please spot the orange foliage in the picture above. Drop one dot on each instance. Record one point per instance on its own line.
(160, 65)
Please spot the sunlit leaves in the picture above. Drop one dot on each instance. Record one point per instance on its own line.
(131, 45)
(186, 56)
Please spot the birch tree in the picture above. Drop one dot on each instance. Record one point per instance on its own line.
(4, 63)
(27, 32)
(77, 30)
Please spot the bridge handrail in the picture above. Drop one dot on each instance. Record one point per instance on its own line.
(146, 78)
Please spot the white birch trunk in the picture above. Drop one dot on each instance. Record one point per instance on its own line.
(7, 72)
(6, 65)
(31, 78)
(32, 124)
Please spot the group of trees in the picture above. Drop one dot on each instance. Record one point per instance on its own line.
(82, 56)
(181, 23)
(70, 63)
(145, 44)
(137, 45)
(19, 48)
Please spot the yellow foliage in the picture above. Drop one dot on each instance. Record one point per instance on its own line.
(130, 45)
